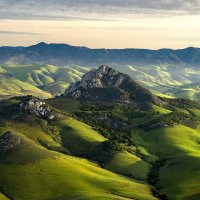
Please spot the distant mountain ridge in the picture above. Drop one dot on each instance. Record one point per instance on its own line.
(63, 54)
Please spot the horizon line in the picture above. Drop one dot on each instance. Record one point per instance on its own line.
(67, 44)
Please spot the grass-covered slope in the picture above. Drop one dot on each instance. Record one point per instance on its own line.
(179, 148)
(67, 132)
(172, 81)
(65, 104)
(162, 143)
(129, 164)
(160, 110)
(10, 86)
(3, 197)
(49, 78)
(191, 92)
(29, 171)
(37, 166)
(167, 80)
(78, 137)
(132, 148)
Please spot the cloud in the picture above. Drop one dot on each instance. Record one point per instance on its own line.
(17, 33)
(94, 9)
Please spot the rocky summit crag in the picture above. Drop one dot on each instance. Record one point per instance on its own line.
(107, 84)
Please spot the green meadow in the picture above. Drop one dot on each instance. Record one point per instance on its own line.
(179, 146)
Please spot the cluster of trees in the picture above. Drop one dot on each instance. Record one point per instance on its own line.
(117, 146)
(96, 115)
(182, 103)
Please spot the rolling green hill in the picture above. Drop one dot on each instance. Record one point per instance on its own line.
(191, 91)
(80, 138)
(170, 81)
(48, 78)
(50, 157)
(179, 148)
(166, 157)
(130, 165)
(177, 81)
(30, 169)
(10, 86)
(45, 174)
(64, 148)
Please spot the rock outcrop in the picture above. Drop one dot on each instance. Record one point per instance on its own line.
(8, 142)
(37, 107)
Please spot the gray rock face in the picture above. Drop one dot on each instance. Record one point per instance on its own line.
(103, 77)
(37, 107)
(109, 85)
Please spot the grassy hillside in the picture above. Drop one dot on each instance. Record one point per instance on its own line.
(78, 137)
(100, 150)
(10, 86)
(46, 174)
(32, 172)
(129, 164)
(170, 81)
(49, 78)
(3, 197)
(65, 104)
(191, 91)
(121, 162)
(167, 157)
(179, 147)
(160, 110)
(55, 88)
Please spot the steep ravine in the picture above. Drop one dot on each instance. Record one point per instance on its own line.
(153, 178)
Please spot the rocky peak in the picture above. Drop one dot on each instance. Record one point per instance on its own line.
(94, 78)
(107, 84)
(102, 77)
(37, 107)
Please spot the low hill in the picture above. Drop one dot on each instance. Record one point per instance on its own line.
(159, 145)
(179, 152)
(164, 80)
(32, 166)
(45, 174)
(10, 86)
(190, 91)
(46, 80)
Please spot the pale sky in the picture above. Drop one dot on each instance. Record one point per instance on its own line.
(151, 24)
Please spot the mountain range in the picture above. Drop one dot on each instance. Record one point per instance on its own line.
(64, 54)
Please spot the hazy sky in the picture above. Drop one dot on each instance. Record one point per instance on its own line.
(101, 23)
